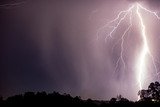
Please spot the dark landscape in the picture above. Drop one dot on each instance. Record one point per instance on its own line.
(97, 53)
(149, 97)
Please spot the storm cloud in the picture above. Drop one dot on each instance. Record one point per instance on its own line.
(51, 46)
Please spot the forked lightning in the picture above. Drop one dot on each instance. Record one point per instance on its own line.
(144, 51)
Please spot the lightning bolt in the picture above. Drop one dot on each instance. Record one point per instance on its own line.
(144, 51)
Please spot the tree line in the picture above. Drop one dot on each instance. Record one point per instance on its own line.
(151, 97)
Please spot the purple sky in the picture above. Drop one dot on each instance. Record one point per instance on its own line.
(51, 46)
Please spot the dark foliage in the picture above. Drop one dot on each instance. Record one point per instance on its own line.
(56, 99)
(151, 94)
(149, 97)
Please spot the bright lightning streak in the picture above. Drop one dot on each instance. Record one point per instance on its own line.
(145, 51)
(119, 22)
(141, 62)
(122, 43)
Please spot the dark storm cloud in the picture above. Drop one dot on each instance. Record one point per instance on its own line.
(50, 45)
(45, 46)
(21, 67)
(154, 3)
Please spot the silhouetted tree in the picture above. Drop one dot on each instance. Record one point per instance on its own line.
(41, 94)
(56, 100)
(152, 93)
(29, 94)
(113, 100)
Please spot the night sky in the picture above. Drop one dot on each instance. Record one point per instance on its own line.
(50, 45)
